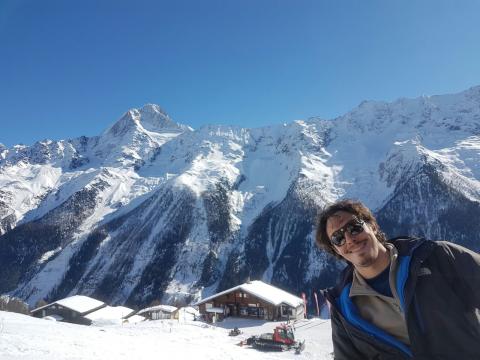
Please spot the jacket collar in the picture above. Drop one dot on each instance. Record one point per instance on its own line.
(360, 285)
(406, 245)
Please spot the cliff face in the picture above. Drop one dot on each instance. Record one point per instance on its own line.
(151, 209)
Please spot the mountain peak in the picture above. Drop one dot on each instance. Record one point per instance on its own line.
(472, 93)
(154, 118)
(150, 117)
(153, 109)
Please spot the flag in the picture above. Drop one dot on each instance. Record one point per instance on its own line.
(316, 302)
(304, 304)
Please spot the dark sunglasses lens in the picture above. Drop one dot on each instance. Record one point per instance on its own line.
(338, 238)
(355, 229)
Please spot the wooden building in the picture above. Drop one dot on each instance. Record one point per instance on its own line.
(158, 312)
(254, 299)
(72, 309)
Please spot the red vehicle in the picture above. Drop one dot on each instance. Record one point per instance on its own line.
(281, 339)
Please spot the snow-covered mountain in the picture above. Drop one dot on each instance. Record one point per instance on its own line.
(152, 209)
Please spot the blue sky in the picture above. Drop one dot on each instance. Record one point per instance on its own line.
(72, 68)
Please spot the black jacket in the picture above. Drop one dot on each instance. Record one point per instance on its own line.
(439, 287)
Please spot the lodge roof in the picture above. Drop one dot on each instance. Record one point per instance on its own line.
(263, 291)
(79, 303)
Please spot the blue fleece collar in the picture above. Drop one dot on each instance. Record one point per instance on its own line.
(350, 312)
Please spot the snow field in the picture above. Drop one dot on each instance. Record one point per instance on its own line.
(24, 337)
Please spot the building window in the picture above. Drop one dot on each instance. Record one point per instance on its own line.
(286, 310)
(243, 311)
(253, 311)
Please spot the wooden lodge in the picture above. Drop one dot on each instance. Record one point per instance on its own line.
(254, 299)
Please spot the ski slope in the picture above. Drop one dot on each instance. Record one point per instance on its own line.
(24, 337)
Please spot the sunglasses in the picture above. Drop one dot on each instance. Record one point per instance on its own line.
(353, 227)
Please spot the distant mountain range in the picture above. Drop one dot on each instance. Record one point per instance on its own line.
(154, 210)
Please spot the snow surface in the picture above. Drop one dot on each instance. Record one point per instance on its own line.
(110, 313)
(27, 338)
(165, 308)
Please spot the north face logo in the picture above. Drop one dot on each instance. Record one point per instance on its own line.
(424, 271)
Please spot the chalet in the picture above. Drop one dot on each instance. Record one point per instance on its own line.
(158, 312)
(72, 309)
(254, 299)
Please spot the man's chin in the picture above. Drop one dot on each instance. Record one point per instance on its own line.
(365, 262)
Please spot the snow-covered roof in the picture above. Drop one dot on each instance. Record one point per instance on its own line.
(110, 313)
(266, 292)
(78, 303)
(164, 308)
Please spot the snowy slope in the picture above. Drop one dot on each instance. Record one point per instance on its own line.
(24, 337)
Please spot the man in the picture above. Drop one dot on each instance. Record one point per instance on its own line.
(405, 298)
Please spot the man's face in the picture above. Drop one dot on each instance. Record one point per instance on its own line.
(362, 249)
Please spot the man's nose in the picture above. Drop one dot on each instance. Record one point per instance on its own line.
(349, 238)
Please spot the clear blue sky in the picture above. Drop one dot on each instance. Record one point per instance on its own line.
(72, 68)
